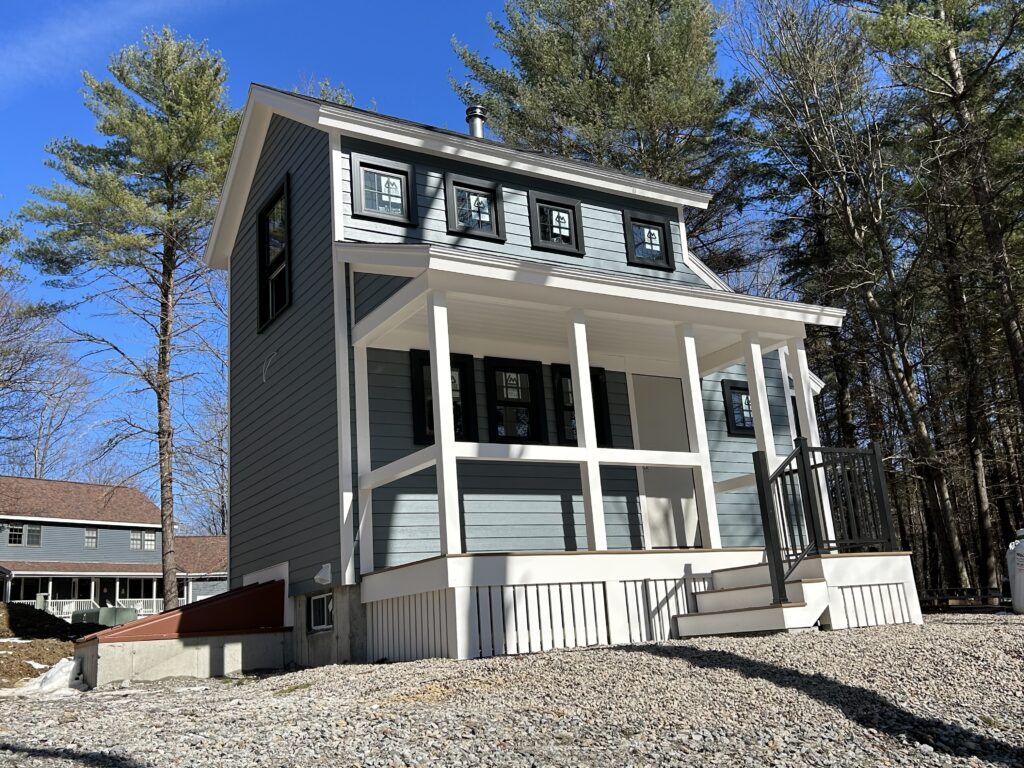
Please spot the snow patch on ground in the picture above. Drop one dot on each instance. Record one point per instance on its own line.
(61, 680)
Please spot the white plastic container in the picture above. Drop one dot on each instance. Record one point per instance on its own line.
(1015, 571)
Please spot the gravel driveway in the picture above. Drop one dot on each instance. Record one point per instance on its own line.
(948, 693)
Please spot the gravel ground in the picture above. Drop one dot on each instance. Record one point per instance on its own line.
(948, 693)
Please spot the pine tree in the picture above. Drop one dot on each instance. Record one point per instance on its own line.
(126, 225)
(629, 85)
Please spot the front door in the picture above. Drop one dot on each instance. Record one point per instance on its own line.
(661, 426)
(106, 595)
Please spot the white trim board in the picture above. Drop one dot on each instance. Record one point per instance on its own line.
(73, 521)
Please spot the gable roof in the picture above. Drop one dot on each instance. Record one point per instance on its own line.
(263, 102)
(65, 500)
(201, 554)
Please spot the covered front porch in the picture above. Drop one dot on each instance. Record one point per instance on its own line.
(661, 339)
(63, 594)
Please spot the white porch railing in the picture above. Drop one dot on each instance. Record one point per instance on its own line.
(144, 606)
(62, 609)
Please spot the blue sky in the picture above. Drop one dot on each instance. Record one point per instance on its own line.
(397, 54)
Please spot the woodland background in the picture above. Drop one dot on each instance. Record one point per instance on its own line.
(865, 155)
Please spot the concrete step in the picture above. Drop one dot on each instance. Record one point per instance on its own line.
(763, 618)
(732, 598)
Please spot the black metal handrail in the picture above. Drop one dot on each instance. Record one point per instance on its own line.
(820, 501)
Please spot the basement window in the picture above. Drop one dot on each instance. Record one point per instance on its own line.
(555, 224)
(739, 413)
(565, 408)
(274, 256)
(474, 207)
(321, 612)
(515, 401)
(648, 241)
(383, 190)
(463, 397)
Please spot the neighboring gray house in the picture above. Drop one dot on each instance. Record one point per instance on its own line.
(84, 545)
(411, 309)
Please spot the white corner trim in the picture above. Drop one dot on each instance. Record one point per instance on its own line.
(346, 497)
(698, 267)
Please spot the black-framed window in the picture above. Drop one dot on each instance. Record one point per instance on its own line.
(556, 223)
(739, 412)
(648, 240)
(565, 408)
(463, 397)
(515, 400)
(320, 612)
(274, 223)
(474, 207)
(383, 189)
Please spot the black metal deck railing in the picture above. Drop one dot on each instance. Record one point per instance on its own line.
(821, 501)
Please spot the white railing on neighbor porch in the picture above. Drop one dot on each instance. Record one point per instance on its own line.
(62, 609)
(144, 606)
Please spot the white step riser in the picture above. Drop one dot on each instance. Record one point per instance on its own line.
(750, 597)
(773, 619)
(751, 576)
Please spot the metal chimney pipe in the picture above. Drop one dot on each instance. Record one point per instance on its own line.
(475, 117)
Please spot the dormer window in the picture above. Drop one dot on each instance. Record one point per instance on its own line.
(383, 190)
(555, 224)
(648, 243)
(474, 208)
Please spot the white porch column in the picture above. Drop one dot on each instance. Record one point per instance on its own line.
(586, 431)
(758, 390)
(444, 424)
(363, 460)
(797, 363)
(49, 589)
(696, 428)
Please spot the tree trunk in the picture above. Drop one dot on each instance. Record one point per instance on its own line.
(165, 427)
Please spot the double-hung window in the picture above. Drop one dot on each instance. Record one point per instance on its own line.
(474, 207)
(149, 541)
(515, 401)
(135, 540)
(739, 413)
(91, 538)
(321, 612)
(648, 240)
(22, 535)
(555, 224)
(274, 239)
(565, 407)
(384, 190)
(463, 397)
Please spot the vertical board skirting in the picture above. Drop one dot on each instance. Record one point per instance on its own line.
(408, 627)
(873, 605)
(514, 619)
(651, 604)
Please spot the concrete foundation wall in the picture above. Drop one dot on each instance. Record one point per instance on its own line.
(216, 656)
(344, 642)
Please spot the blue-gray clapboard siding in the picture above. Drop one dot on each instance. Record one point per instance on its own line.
(208, 588)
(66, 543)
(284, 447)
(603, 234)
(370, 291)
(739, 517)
(505, 506)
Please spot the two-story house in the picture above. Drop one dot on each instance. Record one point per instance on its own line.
(485, 401)
(84, 545)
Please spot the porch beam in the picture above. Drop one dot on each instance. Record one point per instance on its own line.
(396, 470)
(398, 308)
(557, 454)
(647, 458)
(757, 388)
(696, 430)
(363, 465)
(735, 483)
(586, 431)
(444, 424)
(731, 355)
